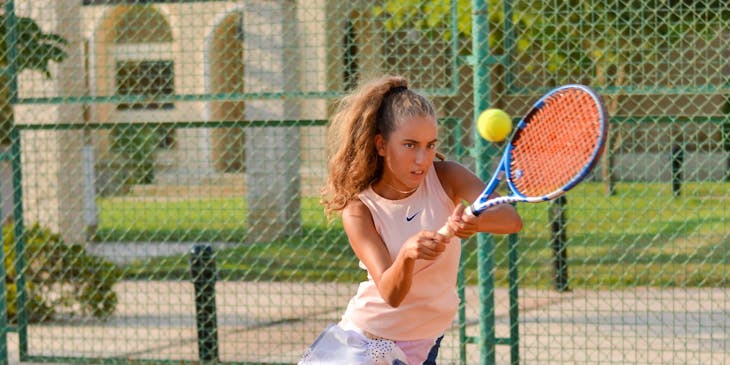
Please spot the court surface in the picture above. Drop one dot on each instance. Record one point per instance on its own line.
(155, 320)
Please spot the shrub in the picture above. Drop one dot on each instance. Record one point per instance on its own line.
(60, 278)
(135, 145)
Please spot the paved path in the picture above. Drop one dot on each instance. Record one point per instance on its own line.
(273, 322)
(125, 252)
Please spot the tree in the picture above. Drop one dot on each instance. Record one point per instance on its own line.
(35, 50)
(569, 39)
(427, 15)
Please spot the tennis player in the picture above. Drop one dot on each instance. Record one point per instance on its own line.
(394, 191)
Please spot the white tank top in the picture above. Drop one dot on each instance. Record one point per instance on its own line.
(429, 307)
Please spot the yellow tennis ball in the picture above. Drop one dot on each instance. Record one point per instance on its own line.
(494, 125)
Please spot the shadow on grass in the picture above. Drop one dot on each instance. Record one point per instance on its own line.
(231, 235)
(315, 255)
(673, 256)
(668, 259)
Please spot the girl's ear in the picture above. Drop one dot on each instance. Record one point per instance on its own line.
(380, 144)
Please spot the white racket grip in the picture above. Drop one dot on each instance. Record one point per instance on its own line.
(446, 232)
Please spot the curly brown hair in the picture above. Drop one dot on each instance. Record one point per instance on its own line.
(374, 108)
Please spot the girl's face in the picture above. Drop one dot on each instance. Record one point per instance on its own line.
(408, 153)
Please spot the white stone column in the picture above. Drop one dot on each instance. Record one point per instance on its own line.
(52, 160)
(271, 63)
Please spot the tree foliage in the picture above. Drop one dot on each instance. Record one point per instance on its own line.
(35, 50)
(585, 37)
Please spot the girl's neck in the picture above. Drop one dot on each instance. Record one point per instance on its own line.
(390, 191)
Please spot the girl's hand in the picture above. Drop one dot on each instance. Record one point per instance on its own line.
(462, 224)
(424, 245)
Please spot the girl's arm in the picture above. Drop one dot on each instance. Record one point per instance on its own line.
(463, 185)
(393, 277)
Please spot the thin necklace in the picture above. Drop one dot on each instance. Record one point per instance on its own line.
(401, 191)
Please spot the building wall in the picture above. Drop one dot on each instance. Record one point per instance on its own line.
(195, 28)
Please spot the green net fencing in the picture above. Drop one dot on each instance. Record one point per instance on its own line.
(162, 163)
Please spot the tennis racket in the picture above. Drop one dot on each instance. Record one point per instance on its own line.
(552, 149)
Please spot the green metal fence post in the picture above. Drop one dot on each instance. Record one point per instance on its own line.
(509, 79)
(514, 310)
(19, 230)
(19, 247)
(3, 306)
(509, 44)
(485, 243)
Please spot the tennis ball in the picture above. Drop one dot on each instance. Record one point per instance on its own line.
(494, 125)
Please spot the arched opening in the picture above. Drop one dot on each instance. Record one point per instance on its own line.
(128, 61)
(142, 73)
(141, 24)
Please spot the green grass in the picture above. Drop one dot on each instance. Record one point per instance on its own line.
(195, 220)
(639, 236)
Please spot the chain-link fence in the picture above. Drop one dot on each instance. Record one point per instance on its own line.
(162, 162)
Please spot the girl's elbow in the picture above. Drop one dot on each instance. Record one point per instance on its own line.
(516, 225)
(513, 224)
(515, 221)
(393, 296)
(394, 300)
(508, 220)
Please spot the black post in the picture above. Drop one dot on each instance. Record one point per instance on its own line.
(203, 272)
(677, 161)
(726, 135)
(726, 145)
(556, 214)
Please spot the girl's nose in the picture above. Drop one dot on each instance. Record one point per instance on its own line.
(420, 154)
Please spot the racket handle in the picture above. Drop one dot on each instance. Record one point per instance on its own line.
(446, 232)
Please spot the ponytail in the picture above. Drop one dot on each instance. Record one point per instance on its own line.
(374, 108)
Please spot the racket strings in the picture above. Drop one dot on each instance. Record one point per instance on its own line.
(557, 143)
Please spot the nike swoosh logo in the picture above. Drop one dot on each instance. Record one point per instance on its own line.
(410, 218)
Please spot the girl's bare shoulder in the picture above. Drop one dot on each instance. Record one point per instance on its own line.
(355, 209)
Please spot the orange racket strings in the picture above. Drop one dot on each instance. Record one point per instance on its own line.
(557, 144)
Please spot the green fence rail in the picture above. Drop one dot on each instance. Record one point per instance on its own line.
(162, 164)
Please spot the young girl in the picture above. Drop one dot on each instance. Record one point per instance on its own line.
(393, 196)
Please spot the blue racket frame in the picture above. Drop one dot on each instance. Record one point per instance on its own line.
(503, 169)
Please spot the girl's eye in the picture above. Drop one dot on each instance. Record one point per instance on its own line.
(431, 146)
(409, 145)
